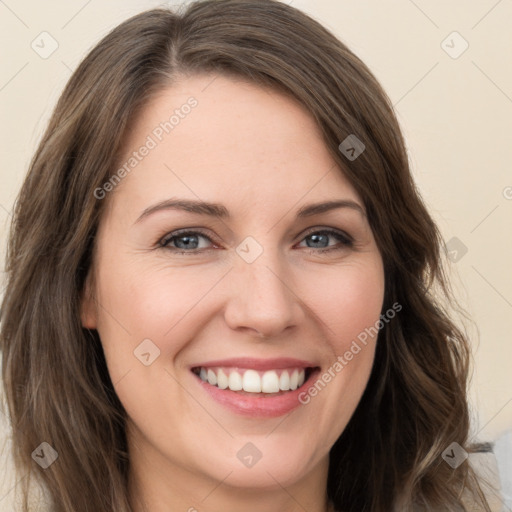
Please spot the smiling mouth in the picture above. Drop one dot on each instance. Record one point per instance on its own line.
(252, 382)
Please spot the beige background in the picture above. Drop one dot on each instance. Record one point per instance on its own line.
(456, 114)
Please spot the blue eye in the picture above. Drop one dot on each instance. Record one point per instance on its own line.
(185, 240)
(188, 242)
(319, 237)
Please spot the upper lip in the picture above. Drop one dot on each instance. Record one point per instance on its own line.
(258, 364)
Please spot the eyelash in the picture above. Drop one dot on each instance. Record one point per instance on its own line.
(345, 240)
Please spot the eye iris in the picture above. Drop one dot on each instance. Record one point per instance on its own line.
(317, 237)
(188, 244)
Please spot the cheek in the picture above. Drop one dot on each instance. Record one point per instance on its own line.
(348, 300)
(349, 307)
(140, 302)
(144, 298)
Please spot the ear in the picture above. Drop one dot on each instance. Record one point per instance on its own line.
(88, 310)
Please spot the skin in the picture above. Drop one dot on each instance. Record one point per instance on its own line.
(261, 155)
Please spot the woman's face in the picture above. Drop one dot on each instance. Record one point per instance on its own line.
(261, 290)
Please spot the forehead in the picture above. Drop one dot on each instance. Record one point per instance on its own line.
(217, 138)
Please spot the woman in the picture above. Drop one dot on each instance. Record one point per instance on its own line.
(174, 338)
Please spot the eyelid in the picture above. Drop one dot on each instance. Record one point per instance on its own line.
(182, 232)
(320, 229)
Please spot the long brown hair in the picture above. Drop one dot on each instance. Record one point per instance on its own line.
(56, 380)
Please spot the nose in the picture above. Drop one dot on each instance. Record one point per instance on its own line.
(262, 297)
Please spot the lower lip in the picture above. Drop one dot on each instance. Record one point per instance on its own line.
(258, 406)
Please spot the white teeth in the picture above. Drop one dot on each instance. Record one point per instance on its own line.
(284, 381)
(253, 381)
(270, 382)
(302, 377)
(235, 381)
(212, 378)
(222, 379)
(294, 379)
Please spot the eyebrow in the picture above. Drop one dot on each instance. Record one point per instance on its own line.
(219, 211)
